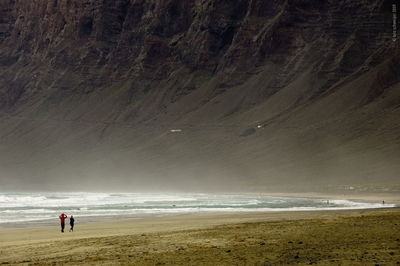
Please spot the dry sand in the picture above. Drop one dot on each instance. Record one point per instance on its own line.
(364, 237)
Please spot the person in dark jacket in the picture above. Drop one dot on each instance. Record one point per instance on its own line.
(71, 223)
(62, 220)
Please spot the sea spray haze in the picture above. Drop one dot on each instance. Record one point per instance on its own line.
(198, 95)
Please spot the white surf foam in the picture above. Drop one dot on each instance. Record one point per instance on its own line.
(28, 207)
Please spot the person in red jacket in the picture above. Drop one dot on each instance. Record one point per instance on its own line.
(62, 219)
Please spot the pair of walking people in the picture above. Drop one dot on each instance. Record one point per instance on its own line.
(71, 222)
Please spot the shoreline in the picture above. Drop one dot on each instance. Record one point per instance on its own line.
(388, 197)
(392, 200)
(168, 223)
(83, 220)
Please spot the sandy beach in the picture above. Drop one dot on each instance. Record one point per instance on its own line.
(351, 237)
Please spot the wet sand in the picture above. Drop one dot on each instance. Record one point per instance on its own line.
(351, 237)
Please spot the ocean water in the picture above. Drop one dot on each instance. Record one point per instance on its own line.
(40, 207)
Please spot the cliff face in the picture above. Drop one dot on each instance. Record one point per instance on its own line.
(265, 92)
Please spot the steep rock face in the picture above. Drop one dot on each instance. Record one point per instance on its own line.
(89, 81)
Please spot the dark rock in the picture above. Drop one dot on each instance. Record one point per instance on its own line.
(248, 132)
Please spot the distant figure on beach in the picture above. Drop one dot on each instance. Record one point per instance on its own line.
(62, 220)
(71, 223)
(383, 202)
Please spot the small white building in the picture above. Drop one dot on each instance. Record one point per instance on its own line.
(175, 130)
